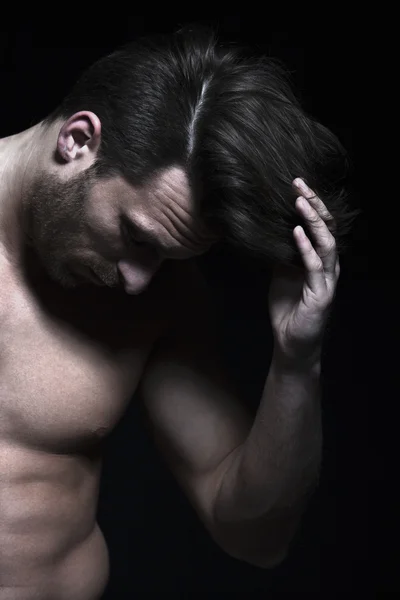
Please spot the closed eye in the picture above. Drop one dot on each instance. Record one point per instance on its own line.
(130, 237)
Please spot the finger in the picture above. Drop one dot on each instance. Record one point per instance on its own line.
(314, 275)
(316, 203)
(324, 242)
(337, 268)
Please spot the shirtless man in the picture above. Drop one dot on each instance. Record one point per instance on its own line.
(100, 299)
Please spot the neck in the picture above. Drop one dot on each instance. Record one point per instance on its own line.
(18, 165)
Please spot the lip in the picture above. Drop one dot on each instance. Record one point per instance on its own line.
(95, 277)
(85, 273)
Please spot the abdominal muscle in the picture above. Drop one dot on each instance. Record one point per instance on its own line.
(68, 370)
(51, 547)
(85, 572)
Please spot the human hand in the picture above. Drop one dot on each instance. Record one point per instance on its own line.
(299, 299)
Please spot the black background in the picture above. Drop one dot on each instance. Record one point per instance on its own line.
(157, 545)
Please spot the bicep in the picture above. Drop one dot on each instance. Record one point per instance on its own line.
(192, 406)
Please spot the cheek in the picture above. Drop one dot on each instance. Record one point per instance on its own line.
(104, 234)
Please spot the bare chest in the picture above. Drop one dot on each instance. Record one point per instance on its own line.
(70, 362)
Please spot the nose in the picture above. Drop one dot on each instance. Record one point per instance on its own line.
(136, 275)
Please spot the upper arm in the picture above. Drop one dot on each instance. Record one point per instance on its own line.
(192, 406)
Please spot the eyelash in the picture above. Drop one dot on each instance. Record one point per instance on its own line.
(130, 238)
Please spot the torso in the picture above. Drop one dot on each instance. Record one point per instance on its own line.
(69, 365)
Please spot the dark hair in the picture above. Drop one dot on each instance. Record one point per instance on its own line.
(231, 120)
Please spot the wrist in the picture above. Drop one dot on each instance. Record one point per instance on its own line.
(284, 365)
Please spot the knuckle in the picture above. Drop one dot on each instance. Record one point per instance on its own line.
(331, 246)
(318, 265)
(330, 218)
(314, 218)
(331, 224)
(328, 248)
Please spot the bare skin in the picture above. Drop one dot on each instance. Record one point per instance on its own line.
(72, 349)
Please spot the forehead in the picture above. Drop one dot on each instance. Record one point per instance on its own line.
(166, 211)
(170, 187)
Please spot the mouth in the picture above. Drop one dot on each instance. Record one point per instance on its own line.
(95, 278)
(85, 274)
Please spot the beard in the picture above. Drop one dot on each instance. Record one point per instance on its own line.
(56, 222)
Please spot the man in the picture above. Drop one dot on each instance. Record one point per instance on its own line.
(159, 151)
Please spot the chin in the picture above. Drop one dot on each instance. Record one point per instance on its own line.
(67, 281)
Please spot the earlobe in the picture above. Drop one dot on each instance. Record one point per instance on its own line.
(79, 136)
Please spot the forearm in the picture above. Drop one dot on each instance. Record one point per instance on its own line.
(271, 476)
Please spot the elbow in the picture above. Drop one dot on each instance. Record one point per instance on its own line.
(260, 544)
(270, 561)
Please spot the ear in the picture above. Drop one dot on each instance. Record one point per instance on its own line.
(79, 137)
